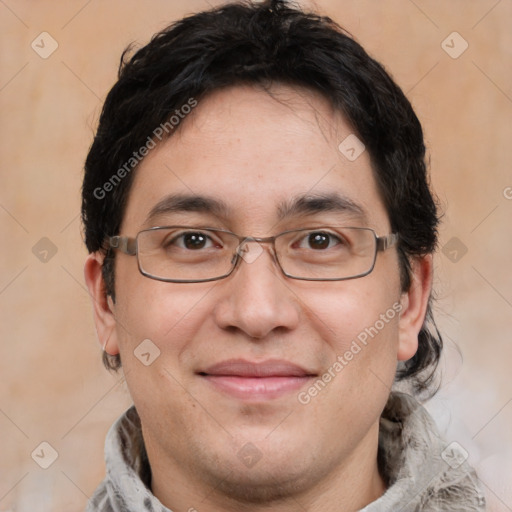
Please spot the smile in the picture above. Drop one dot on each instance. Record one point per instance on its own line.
(247, 380)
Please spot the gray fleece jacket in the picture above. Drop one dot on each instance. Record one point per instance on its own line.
(424, 472)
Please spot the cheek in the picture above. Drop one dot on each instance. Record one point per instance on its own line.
(361, 365)
(356, 381)
(168, 314)
(345, 312)
(171, 319)
(359, 328)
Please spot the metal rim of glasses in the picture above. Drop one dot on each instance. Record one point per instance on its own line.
(129, 246)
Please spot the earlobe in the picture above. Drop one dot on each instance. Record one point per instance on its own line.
(414, 307)
(103, 305)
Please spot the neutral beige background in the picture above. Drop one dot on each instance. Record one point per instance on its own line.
(54, 387)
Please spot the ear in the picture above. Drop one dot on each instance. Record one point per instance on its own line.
(103, 305)
(414, 307)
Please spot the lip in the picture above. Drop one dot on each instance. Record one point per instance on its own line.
(263, 380)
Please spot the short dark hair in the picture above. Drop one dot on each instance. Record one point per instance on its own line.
(266, 43)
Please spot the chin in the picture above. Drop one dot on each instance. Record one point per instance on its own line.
(261, 485)
(280, 474)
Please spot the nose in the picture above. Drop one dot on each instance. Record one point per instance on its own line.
(255, 299)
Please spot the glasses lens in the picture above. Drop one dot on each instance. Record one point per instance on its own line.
(185, 253)
(327, 252)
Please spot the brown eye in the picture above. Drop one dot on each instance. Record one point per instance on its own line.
(194, 240)
(190, 240)
(319, 240)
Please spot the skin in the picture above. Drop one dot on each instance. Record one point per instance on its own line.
(243, 146)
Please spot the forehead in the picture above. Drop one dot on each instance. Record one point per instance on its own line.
(257, 157)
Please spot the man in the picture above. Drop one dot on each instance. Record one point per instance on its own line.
(261, 232)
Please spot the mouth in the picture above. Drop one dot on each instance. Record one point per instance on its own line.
(248, 380)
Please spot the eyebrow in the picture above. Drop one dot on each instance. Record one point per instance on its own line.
(297, 206)
(188, 203)
(320, 203)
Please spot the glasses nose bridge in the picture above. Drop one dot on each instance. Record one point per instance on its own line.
(242, 247)
(259, 240)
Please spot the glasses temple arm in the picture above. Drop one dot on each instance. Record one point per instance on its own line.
(124, 244)
(385, 242)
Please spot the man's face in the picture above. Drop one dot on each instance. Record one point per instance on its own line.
(257, 155)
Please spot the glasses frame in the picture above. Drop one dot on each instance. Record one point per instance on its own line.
(129, 246)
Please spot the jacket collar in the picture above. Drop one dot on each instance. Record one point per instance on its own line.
(423, 472)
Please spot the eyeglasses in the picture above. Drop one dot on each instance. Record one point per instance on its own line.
(185, 254)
